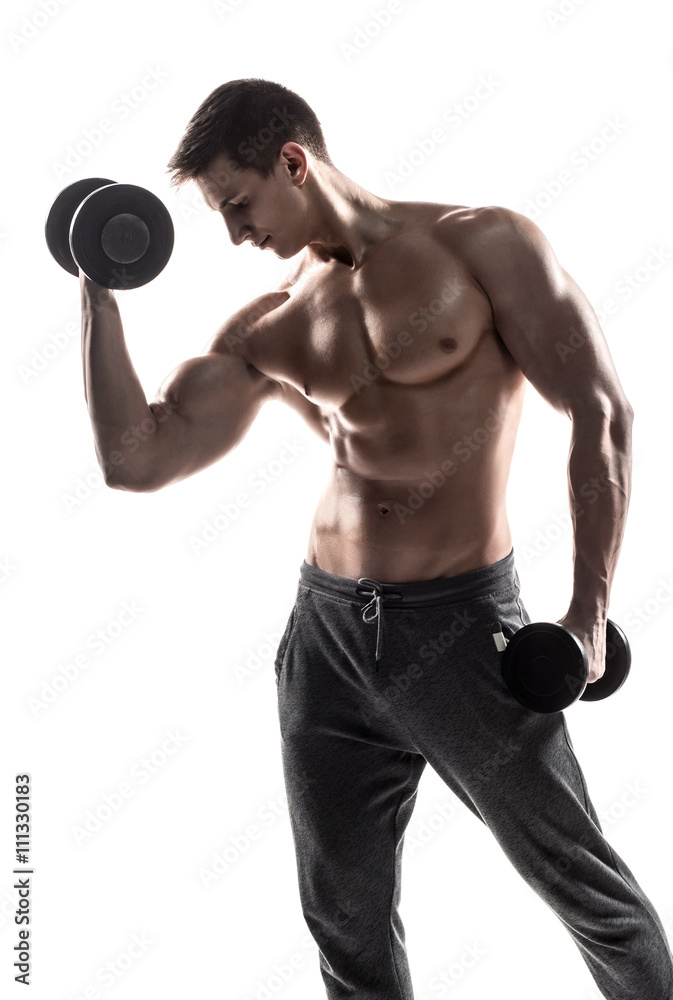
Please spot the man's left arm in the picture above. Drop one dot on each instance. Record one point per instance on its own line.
(550, 329)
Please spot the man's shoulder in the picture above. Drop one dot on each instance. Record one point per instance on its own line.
(492, 237)
(236, 334)
(475, 223)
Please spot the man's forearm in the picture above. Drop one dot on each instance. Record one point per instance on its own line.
(114, 396)
(599, 482)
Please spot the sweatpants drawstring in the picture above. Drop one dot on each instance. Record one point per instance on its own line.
(368, 586)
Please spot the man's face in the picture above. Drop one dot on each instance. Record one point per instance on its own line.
(270, 210)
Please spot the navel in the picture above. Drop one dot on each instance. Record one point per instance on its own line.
(448, 344)
(383, 509)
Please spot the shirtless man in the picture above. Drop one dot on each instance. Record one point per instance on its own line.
(405, 336)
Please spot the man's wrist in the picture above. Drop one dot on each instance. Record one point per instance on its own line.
(582, 606)
(94, 295)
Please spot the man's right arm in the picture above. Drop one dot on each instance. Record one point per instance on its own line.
(203, 409)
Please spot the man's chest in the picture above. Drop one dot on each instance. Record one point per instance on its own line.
(410, 314)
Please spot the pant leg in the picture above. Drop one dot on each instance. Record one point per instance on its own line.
(519, 771)
(351, 780)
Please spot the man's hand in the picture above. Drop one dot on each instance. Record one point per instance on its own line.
(591, 632)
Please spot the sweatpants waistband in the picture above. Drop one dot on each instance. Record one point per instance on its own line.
(499, 576)
(444, 589)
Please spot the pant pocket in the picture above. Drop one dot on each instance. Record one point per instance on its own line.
(509, 613)
(284, 642)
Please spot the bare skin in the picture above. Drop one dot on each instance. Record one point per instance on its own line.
(405, 336)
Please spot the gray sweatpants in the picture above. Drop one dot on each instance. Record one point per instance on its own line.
(374, 681)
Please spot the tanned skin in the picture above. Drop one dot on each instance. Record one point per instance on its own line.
(405, 336)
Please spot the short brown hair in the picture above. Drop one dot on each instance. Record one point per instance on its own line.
(249, 120)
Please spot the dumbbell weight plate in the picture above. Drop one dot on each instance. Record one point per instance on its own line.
(121, 236)
(57, 226)
(551, 667)
(617, 665)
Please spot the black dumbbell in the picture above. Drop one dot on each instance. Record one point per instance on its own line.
(119, 235)
(545, 666)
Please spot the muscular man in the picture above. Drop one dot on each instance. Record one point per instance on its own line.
(405, 336)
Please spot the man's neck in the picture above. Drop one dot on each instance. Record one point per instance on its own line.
(349, 220)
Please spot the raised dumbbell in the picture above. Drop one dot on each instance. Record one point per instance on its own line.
(119, 235)
(546, 668)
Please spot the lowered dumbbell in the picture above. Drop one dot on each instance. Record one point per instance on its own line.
(546, 668)
(119, 235)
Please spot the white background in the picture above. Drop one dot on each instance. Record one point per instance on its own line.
(72, 554)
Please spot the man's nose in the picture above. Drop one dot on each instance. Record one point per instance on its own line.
(237, 233)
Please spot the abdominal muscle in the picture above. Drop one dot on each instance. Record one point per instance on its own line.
(353, 537)
(445, 512)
